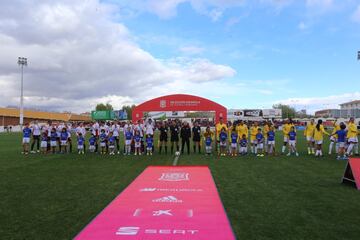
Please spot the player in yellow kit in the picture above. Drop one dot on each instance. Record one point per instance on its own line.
(266, 129)
(319, 131)
(286, 129)
(242, 129)
(253, 131)
(333, 138)
(352, 137)
(218, 127)
(309, 134)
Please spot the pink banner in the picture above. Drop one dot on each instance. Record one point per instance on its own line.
(164, 203)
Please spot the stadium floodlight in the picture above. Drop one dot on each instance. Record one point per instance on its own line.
(22, 62)
(358, 55)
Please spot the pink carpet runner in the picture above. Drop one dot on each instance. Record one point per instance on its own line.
(164, 203)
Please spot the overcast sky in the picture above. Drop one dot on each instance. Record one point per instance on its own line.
(240, 53)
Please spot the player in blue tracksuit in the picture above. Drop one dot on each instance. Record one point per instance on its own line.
(137, 140)
(259, 143)
(128, 140)
(103, 141)
(80, 143)
(64, 136)
(243, 145)
(43, 142)
(233, 139)
(341, 139)
(292, 142)
(149, 144)
(271, 140)
(53, 140)
(223, 137)
(92, 143)
(111, 143)
(26, 139)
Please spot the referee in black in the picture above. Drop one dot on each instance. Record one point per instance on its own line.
(196, 132)
(174, 136)
(185, 134)
(163, 137)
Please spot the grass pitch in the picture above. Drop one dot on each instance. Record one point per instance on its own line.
(55, 196)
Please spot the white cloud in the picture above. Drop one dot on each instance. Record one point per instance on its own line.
(78, 56)
(191, 50)
(164, 9)
(278, 4)
(320, 3)
(232, 21)
(302, 26)
(356, 15)
(313, 104)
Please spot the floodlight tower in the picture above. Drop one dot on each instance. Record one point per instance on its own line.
(358, 55)
(22, 62)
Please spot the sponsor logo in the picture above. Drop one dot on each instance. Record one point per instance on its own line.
(148, 190)
(174, 176)
(137, 212)
(128, 231)
(188, 213)
(168, 199)
(150, 231)
(162, 103)
(171, 190)
(162, 212)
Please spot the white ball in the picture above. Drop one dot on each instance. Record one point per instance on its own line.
(177, 153)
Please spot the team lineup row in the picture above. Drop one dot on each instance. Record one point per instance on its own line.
(229, 139)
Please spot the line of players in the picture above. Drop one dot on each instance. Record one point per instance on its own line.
(343, 137)
(229, 139)
(233, 139)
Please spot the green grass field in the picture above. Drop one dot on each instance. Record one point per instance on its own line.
(55, 196)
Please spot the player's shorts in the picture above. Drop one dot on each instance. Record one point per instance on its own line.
(353, 140)
(260, 145)
(43, 144)
(63, 143)
(103, 144)
(253, 141)
(26, 140)
(196, 138)
(137, 144)
(149, 148)
(80, 147)
(341, 144)
(243, 149)
(208, 148)
(92, 147)
(222, 144)
(163, 138)
(174, 138)
(53, 143)
(233, 145)
(333, 139)
(127, 142)
(292, 143)
(271, 142)
(309, 139)
(112, 146)
(286, 139)
(319, 142)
